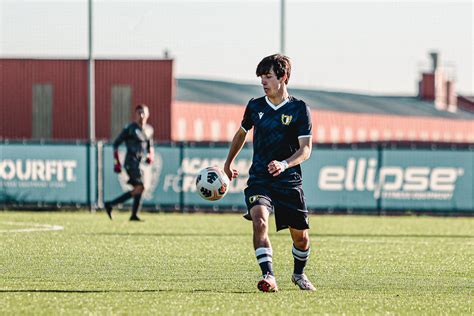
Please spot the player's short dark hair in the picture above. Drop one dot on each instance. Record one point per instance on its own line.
(143, 107)
(280, 64)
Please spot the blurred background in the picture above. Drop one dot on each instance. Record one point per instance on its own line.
(390, 86)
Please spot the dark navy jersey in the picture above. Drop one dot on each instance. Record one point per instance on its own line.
(277, 129)
(137, 140)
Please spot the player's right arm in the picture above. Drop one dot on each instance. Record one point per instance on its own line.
(120, 138)
(237, 143)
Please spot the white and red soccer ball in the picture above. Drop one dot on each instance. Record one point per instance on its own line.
(212, 183)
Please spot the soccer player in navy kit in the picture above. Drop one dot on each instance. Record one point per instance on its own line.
(281, 142)
(138, 138)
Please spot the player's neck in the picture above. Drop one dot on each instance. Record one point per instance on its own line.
(279, 97)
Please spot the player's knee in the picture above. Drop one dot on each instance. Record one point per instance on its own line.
(260, 224)
(138, 190)
(301, 241)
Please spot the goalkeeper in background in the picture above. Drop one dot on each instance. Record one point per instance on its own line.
(138, 137)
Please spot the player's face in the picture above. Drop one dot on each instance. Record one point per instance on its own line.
(271, 84)
(141, 116)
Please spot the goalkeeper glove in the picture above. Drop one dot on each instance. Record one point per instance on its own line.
(150, 157)
(117, 166)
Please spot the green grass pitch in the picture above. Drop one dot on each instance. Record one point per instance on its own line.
(205, 264)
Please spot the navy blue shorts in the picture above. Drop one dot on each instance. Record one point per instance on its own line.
(288, 204)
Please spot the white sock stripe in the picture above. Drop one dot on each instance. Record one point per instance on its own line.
(301, 254)
(264, 259)
(263, 251)
(299, 258)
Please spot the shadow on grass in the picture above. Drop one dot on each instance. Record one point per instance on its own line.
(281, 235)
(123, 291)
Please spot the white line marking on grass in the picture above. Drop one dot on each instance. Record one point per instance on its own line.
(35, 227)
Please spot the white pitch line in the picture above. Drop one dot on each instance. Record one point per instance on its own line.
(36, 227)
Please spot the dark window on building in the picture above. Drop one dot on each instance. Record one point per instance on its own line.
(120, 109)
(42, 114)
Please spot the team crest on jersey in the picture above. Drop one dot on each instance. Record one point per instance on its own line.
(254, 198)
(286, 119)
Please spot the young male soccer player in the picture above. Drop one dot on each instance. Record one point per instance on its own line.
(138, 137)
(281, 142)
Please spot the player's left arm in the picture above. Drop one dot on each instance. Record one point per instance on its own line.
(150, 156)
(276, 167)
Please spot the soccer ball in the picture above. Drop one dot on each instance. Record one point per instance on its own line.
(212, 183)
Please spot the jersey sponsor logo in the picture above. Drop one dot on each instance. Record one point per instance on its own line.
(286, 119)
(391, 182)
(260, 114)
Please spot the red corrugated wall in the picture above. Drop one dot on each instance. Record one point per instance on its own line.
(151, 82)
(69, 80)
